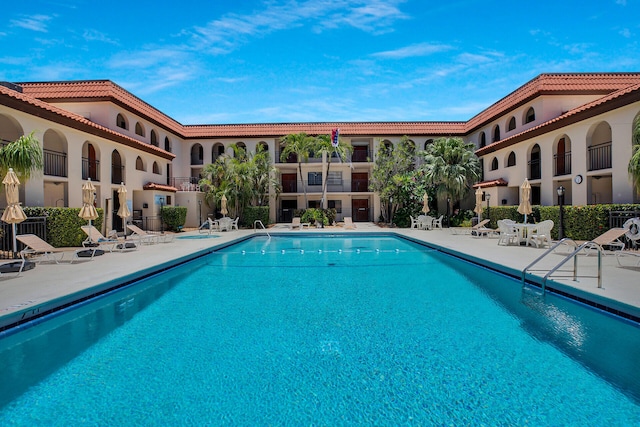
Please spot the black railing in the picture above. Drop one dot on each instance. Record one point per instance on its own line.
(32, 225)
(55, 163)
(333, 186)
(562, 164)
(600, 156)
(360, 156)
(294, 159)
(618, 218)
(534, 169)
(90, 169)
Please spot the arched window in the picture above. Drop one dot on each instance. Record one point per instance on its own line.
(139, 164)
(530, 116)
(511, 159)
(496, 134)
(154, 138)
(535, 167)
(117, 168)
(139, 129)
(427, 143)
(156, 168)
(197, 154)
(483, 139)
(167, 144)
(494, 164)
(121, 122)
(512, 124)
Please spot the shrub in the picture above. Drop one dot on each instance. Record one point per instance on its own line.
(174, 217)
(253, 213)
(63, 224)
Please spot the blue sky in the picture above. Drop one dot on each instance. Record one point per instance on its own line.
(249, 61)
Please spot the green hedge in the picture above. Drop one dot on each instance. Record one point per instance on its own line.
(63, 224)
(253, 213)
(313, 215)
(174, 217)
(580, 222)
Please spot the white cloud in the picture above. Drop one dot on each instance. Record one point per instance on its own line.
(421, 49)
(95, 35)
(625, 32)
(34, 23)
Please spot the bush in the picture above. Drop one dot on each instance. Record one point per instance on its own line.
(174, 217)
(314, 215)
(63, 224)
(253, 213)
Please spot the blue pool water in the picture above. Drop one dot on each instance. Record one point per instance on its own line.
(197, 236)
(323, 331)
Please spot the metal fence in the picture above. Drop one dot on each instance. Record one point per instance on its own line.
(33, 225)
(618, 218)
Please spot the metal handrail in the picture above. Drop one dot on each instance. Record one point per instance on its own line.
(256, 222)
(565, 241)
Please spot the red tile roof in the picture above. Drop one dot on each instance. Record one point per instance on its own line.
(161, 187)
(493, 183)
(36, 107)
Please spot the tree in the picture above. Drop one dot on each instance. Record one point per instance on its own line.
(391, 170)
(634, 162)
(451, 166)
(24, 155)
(301, 145)
(342, 151)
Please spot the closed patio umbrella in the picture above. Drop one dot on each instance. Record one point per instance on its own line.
(223, 206)
(425, 203)
(88, 211)
(478, 208)
(123, 210)
(525, 204)
(13, 214)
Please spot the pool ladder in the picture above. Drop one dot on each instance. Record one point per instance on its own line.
(259, 222)
(573, 254)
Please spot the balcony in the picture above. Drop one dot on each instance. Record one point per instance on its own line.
(55, 163)
(188, 183)
(599, 156)
(333, 186)
(294, 159)
(562, 164)
(90, 169)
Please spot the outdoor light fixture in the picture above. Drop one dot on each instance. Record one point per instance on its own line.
(488, 197)
(560, 191)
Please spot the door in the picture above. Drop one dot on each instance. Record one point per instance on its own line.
(288, 208)
(360, 210)
(359, 182)
(289, 183)
(93, 165)
(560, 159)
(116, 221)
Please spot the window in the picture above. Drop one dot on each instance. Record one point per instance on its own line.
(139, 129)
(335, 204)
(530, 116)
(139, 164)
(156, 168)
(121, 122)
(512, 124)
(496, 134)
(315, 178)
(483, 139)
(167, 144)
(511, 160)
(427, 143)
(154, 138)
(494, 164)
(334, 178)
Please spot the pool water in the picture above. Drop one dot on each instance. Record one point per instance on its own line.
(324, 331)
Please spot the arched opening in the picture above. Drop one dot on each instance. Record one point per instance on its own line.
(599, 147)
(139, 164)
(167, 144)
(156, 168)
(512, 124)
(121, 122)
(139, 129)
(216, 151)
(427, 143)
(154, 138)
(530, 115)
(54, 150)
(496, 133)
(197, 154)
(117, 168)
(483, 139)
(562, 156)
(10, 129)
(90, 162)
(494, 164)
(511, 159)
(535, 167)
(262, 147)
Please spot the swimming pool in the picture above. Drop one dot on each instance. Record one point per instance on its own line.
(323, 331)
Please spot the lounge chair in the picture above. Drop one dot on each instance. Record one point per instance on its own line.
(142, 236)
(348, 223)
(95, 238)
(479, 230)
(295, 223)
(9, 266)
(610, 238)
(37, 247)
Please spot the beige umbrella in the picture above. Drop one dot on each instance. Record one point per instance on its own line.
(525, 204)
(478, 208)
(13, 214)
(88, 211)
(223, 206)
(123, 210)
(425, 203)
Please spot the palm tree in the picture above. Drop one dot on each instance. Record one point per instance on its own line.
(451, 166)
(301, 145)
(634, 162)
(323, 145)
(23, 155)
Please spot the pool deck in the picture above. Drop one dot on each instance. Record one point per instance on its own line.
(51, 285)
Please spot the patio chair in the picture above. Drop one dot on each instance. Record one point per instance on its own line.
(437, 223)
(209, 226)
(610, 238)
(95, 238)
(37, 247)
(415, 223)
(479, 230)
(508, 234)
(348, 223)
(143, 237)
(541, 235)
(234, 224)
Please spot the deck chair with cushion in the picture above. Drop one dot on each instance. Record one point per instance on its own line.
(35, 246)
(147, 237)
(96, 239)
(610, 238)
(479, 230)
(348, 223)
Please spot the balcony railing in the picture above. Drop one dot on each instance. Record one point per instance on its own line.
(117, 174)
(600, 156)
(294, 159)
(333, 186)
(534, 169)
(55, 163)
(562, 164)
(90, 169)
(188, 183)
